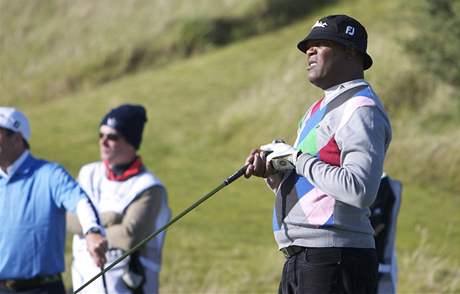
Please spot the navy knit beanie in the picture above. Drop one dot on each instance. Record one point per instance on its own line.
(129, 121)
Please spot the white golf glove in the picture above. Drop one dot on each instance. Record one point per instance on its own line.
(281, 155)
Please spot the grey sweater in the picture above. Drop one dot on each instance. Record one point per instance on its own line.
(361, 134)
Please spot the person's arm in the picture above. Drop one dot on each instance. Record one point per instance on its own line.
(138, 221)
(68, 195)
(73, 224)
(363, 141)
(92, 230)
(107, 219)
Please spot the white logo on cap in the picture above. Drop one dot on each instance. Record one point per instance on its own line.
(350, 30)
(112, 122)
(319, 24)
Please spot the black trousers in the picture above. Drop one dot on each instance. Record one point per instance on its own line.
(49, 288)
(331, 270)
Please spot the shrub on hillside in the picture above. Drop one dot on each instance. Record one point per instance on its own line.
(438, 38)
(199, 33)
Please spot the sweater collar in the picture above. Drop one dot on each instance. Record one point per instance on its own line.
(334, 91)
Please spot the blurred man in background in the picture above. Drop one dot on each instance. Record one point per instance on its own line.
(132, 203)
(34, 197)
(326, 182)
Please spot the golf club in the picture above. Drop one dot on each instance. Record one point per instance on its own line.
(226, 182)
(104, 282)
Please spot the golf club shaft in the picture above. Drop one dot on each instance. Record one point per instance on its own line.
(226, 182)
(104, 282)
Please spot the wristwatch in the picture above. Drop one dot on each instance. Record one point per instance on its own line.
(94, 230)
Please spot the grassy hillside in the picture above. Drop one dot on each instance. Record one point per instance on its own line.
(208, 110)
(55, 48)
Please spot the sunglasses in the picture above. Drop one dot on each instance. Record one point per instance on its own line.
(110, 137)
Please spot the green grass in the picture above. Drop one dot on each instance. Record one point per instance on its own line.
(205, 114)
(53, 48)
(427, 239)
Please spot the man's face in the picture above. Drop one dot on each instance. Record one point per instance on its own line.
(8, 144)
(324, 63)
(113, 147)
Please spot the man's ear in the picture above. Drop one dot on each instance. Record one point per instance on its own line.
(17, 138)
(350, 53)
(353, 54)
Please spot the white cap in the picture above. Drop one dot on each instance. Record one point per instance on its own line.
(13, 119)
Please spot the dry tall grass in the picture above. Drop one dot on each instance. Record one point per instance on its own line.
(422, 272)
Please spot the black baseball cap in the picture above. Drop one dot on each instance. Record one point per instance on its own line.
(342, 29)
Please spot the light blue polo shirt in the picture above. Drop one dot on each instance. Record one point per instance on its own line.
(33, 205)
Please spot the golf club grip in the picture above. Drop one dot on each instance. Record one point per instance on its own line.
(236, 175)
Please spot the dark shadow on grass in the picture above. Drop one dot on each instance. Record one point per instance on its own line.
(196, 36)
(199, 34)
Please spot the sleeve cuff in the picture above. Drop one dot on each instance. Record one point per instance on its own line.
(303, 163)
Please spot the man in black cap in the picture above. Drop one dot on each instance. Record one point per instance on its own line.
(326, 181)
(132, 203)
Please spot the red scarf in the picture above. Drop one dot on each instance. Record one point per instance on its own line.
(134, 169)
